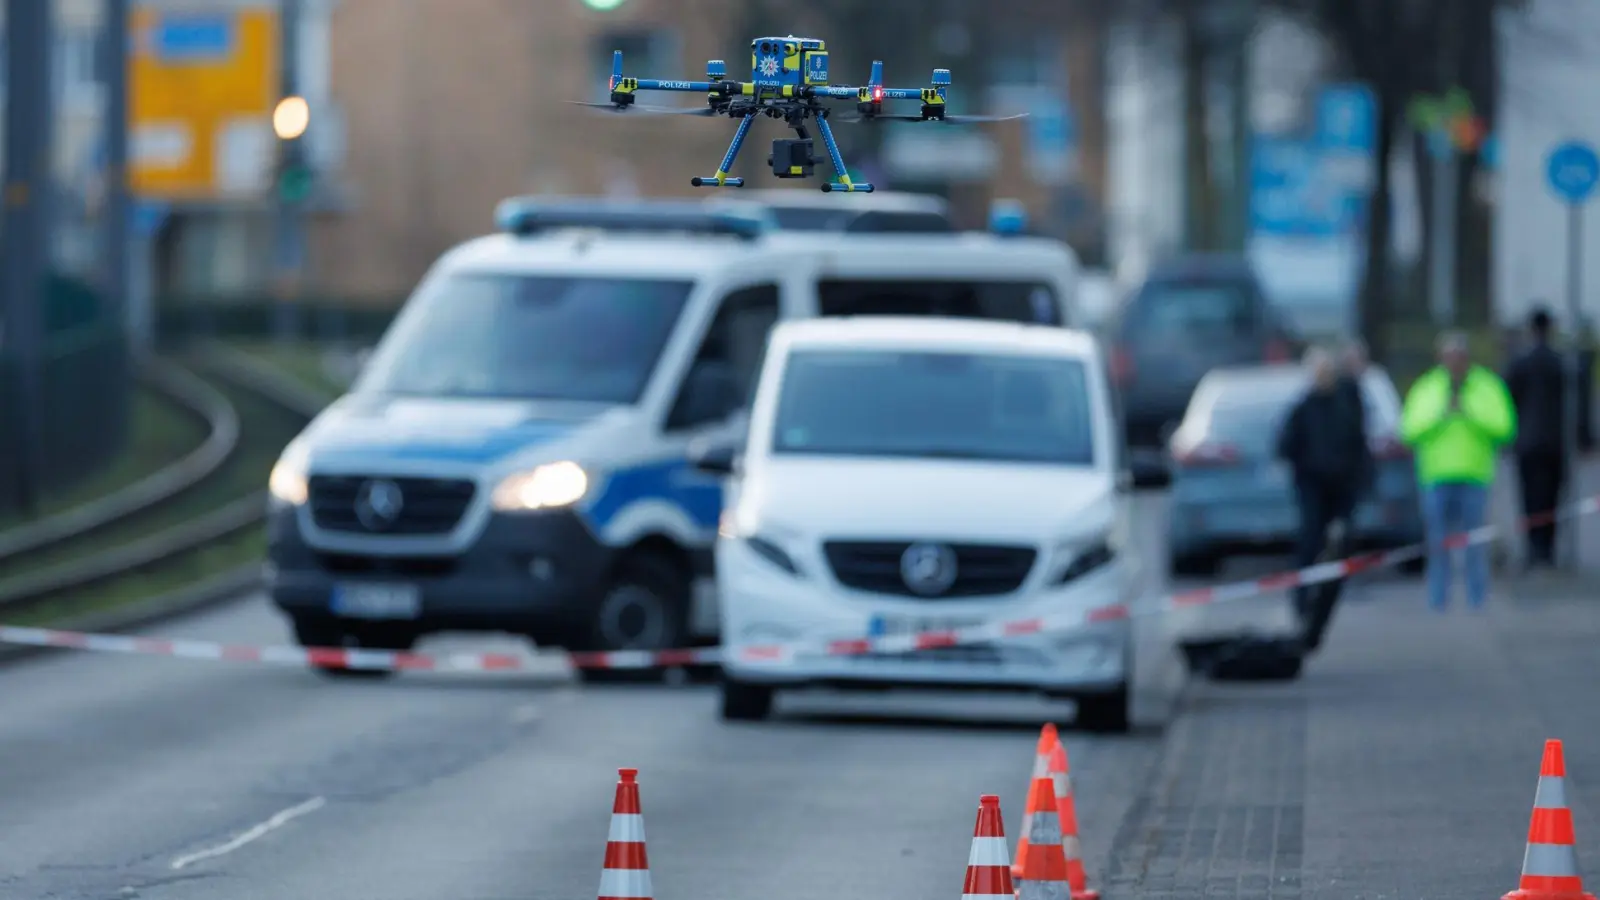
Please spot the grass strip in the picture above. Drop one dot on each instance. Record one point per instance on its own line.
(306, 363)
(161, 432)
(168, 576)
(266, 429)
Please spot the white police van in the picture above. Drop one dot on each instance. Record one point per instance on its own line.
(515, 455)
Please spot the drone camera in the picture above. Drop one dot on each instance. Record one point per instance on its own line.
(791, 158)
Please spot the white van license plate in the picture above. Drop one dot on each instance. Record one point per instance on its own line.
(377, 601)
(891, 626)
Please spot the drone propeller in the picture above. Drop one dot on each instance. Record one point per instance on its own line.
(954, 120)
(637, 109)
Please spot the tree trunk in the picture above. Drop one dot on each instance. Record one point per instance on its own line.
(1199, 192)
(1373, 308)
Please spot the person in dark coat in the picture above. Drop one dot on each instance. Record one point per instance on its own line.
(1354, 364)
(1325, 445)
(1537, 381)
(1586, 352)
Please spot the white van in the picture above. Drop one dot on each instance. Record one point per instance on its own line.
(912, 475)
(514, 457)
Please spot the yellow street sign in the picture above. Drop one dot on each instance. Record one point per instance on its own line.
(204, 79)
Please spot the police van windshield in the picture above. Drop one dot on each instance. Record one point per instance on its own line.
(508, 335)
(940, 405)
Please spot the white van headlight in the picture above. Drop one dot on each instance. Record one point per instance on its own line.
(1077, 559)
(550, 486)
(287, 483)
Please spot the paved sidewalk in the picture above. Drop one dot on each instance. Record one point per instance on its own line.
(1402, 767)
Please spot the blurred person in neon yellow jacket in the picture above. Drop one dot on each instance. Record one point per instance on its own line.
(1457, 417)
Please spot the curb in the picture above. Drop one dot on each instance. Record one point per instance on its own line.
(217, 591)
(223, 438)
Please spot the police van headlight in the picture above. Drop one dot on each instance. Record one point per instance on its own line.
(287, 483)
(550, 486)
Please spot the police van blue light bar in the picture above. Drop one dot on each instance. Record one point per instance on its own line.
(1007, 216)
(526, 216)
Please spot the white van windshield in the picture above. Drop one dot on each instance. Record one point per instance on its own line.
(1009, 301)
(935, 404)
(508, 335)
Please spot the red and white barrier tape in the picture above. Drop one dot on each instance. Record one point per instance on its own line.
(349, 658)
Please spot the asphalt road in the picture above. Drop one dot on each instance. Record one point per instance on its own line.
(170, 779)
(166, 779)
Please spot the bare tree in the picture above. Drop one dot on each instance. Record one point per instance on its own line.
(1394, 46)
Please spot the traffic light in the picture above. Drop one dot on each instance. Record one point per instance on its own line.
(294, 179)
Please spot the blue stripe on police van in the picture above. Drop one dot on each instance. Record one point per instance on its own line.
(673, 481)
(487, 449)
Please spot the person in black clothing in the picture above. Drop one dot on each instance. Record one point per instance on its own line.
(1354, 367)
(1325, 446)
(1537, 381)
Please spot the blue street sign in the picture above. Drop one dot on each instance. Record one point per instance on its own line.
(1295, 190)
(1489, 152)
(1347, 119)
(1573, 169)
(193, 38)
(148, 216)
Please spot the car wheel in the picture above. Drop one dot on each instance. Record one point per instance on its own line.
(744, 702)
(645, 607)
(1414, 567)
(1105, 713)
(322, 632)
(1195, 565)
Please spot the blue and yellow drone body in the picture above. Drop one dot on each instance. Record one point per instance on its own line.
(788, 81)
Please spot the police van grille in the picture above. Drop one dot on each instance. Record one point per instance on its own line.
(428, 505)
(982, 570)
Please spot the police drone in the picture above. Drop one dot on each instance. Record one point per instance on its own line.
(788, 81)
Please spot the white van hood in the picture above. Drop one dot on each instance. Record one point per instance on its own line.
(928, 499)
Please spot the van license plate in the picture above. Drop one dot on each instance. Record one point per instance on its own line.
(377, 601)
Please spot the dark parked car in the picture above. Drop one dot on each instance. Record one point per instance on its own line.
(1232, 496)
(1191, 315)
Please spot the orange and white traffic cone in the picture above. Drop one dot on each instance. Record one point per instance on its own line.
(1043, 861)
(626, 875)
(1550, 866)
(1061, 780)
(1049, 737)
(989, 863)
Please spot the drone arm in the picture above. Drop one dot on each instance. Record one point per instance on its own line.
(658, 84)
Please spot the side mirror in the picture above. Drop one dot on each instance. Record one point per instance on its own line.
(715, 458)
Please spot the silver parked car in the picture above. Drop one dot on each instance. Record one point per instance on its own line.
(1232, 496)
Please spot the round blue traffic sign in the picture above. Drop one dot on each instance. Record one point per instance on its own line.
(1573, 170)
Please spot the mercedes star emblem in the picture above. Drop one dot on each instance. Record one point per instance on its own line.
(378, 504)
(928, 569)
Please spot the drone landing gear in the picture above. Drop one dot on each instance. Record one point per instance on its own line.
(844, 184)
(721, 179)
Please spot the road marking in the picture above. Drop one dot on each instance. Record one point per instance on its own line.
(277, 821)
